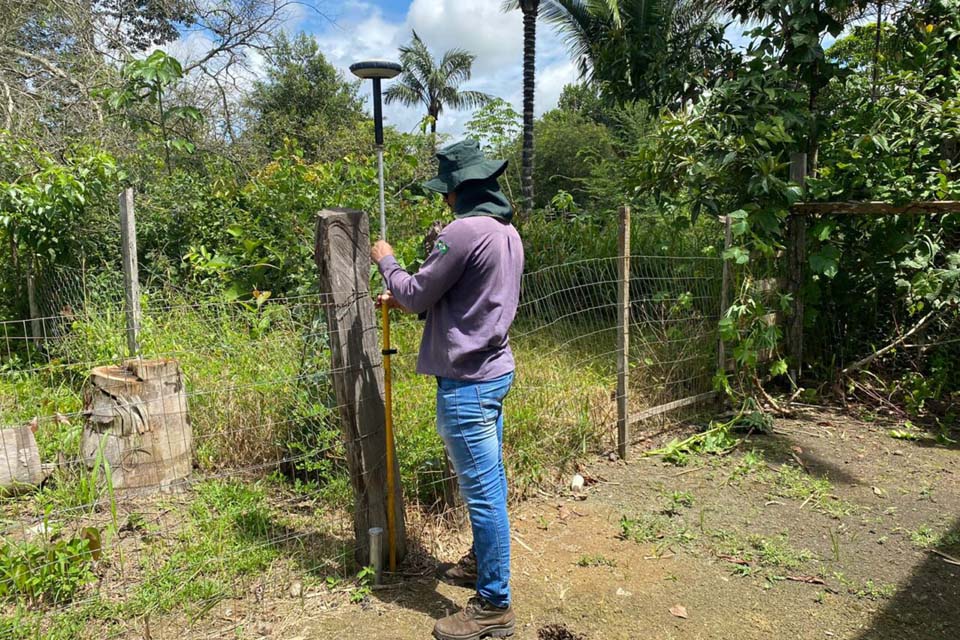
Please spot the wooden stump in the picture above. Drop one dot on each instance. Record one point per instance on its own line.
(343, 262)
(136, 419)
(20, 468)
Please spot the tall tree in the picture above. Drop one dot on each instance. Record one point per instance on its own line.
(58, 56)
(531, 11)
(796, 29)
(434, 84)
(662, 51)
(303, 98)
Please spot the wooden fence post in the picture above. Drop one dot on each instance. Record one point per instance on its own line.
(343, 260)
(725, 281)
(623, 336)
(796, 256)
(36, 330)
(131, 276)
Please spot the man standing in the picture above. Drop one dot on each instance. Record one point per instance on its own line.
(469, 288)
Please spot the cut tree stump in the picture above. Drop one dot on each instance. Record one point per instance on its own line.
(20, 468)
(343, 262)
(136, 418)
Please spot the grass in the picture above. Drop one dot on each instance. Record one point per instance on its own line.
(795, 483)
(596, 560)
(755, 554)
(868, 590)
(679, 500)
(232, 533)
(558, 411)
(259, 391)
(659, 529)
(926, 537)
(751, 462)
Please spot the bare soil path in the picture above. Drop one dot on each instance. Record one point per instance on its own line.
(828, 528)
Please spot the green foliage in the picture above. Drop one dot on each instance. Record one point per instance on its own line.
(567, 147)
(677, 502)
(45, 202)
(46, 572)
(596, 561)
(495, 125)
(716, 439)
(667, 51)
(797, 484)
(51, 211)
(659, 529)
(144, 104)
(644, 528)
(363, 590)
(303, 98)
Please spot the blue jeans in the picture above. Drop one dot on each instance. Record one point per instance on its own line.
(470, 422)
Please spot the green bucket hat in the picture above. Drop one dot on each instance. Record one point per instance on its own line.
(460, 162)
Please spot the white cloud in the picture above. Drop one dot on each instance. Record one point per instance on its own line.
(360, 31)
(479, 26)
(551, 81)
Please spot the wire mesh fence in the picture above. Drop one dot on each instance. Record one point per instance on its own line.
(257, 528)
(884, 282)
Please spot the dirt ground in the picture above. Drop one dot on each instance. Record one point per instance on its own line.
(825, 529)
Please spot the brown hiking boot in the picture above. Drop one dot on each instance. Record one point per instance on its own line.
(479, 619)
(463, 573)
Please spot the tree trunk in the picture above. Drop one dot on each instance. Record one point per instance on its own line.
(876, 50)
(530, 9)
(20, 468)
(137, 421)
(434, 114)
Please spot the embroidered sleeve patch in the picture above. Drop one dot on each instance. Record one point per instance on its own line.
(442, 247)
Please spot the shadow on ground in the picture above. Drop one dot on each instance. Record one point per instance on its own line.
(418, 593)
(927, 607)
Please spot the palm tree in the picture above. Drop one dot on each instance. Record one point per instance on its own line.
(434, 84)
(531, 10)
(617, 44)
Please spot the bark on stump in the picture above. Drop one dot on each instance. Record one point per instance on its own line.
(136, 418)
(343, 261)
(20, 468)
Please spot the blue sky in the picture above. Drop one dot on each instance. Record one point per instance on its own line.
(375, 28)
(350, 30)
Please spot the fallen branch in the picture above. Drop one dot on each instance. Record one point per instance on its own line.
(859, 364)
(946, 558)
(773, 404)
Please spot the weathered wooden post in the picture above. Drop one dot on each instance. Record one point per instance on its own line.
(725, 282)
(343, 260)
(796, 256)
(36, 331)
(131, 277)
(623, 336)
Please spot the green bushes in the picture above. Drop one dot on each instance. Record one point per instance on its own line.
(47, 572)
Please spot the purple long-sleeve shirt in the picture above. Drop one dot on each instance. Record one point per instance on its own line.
(469, 288)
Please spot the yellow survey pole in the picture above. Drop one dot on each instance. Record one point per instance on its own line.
(388, 406)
